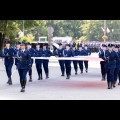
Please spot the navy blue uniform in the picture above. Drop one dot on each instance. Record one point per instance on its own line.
(80, 62)
(61, 62)
(68, 53)
(46, 53)
(16, 52)
(74, 44)
(8, 54)
(87, 52)
(31, 52)
(79, 44)
(75, 53)
(24, 64)
(117, 68)
(38, 53)
(102, 63)
(110, 66)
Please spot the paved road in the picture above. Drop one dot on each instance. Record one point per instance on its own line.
(87, 86)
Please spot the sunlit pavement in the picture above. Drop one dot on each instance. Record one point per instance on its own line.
(86, 86)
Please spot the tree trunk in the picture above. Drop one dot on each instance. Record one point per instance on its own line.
(2, 35)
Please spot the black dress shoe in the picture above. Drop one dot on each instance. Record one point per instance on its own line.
(119, 83)
(30, 80)
(76, 73)
(9, 79)
(86, 71)
(114, 85)
(62, 75)
(68, 77)
(81, 72)
(47, 77)
(22, 90)
(102, 79)
(39, 78)
(10, 82)
(110, 85)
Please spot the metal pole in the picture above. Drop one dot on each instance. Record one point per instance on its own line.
(23, 27)
(104, 28)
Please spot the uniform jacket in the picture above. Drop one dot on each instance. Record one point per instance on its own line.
(8, 55)
(87, 52)
(110, 59)
(46, 53)
(24, 61)
(38, 53)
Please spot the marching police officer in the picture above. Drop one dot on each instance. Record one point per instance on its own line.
(117, 69)
(87, 52)
(74, 43)
(24, 64)
(59, 53)
(17, 48)
(80, 62)
(38, 53)
(103, 63)
(8, 54)
(46, 53)
(110, 65)
(79, 44)
(68, 53)
(75, 53)
(31, 53)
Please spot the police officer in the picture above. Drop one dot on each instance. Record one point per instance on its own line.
(111, 57)
(75, 53)
(46, 53)
(31, 53)
(74, 43)
(117, 69)
(103, 63)
(17, 48)
(38, 53)
(79, 44)
(59, 53)
(87, 52)
(80, 62)
(8, 54)
(24, 64)
(68, 53)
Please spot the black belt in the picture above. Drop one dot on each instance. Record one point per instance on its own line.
(111, 60)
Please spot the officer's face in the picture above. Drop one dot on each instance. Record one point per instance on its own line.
(28, 46)
(22, 47)
(44, 47)
(110, 48)
(60, 47)
(7, 45)
(113, 47)
(37, 46)
(73, 48)
(18, 46)
(67, 47)
(104, 48)
(116, 49)
(80, 48)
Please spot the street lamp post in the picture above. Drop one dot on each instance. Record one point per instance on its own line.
(104, 29)
(23, 27)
